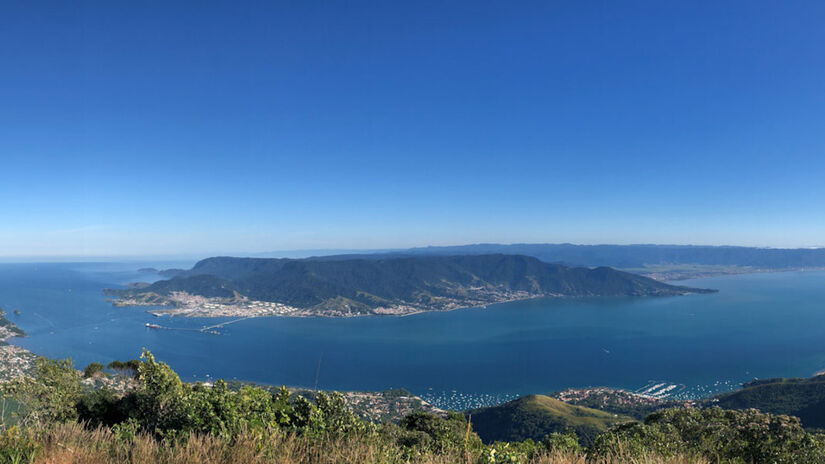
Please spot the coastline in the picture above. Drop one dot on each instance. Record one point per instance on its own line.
(672, 275)
(213, 309)
(196, 306)
(467, 307)
(15, 360)
(679, 274)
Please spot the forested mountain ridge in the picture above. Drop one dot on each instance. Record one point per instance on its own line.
(636, 256)
(396, 285)
(800, 397)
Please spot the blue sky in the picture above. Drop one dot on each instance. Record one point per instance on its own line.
(159, 128)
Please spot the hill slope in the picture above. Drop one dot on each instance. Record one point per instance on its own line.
(394, 285)
(535, 416)
(803, 398)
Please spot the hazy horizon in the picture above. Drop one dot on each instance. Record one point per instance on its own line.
(305, 253)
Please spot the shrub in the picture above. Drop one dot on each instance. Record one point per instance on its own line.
(103, 407)
(17, 447)
(92, 369)
(567, 442)
(739, 436)
(125, 369)
(450, 433)
(49, 396)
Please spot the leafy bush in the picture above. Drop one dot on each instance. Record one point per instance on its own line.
(168, 416)
(716, 434)
(562, 442)
(17, 447)
(92, 369)
(437, 433)
(125, 369)
(51, 395)
(103, 407)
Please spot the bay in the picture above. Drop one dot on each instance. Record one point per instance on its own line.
(756, 326)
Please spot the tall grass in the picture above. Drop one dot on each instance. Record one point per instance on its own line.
(72, 443)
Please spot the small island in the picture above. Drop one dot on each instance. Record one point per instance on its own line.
(346, 287)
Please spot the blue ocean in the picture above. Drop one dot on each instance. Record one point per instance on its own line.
(756, 326)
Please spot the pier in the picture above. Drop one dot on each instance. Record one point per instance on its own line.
(205, 329)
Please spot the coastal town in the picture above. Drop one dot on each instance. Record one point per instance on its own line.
(186, 304)
(189, 305)
(606, 396)
(14, 360)
(381, 406)
(181, 303)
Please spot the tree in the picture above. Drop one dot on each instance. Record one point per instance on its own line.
(50, 395)
(444, 434)
(160, 403)
(125, 369)
(92, 369)
(717, 435)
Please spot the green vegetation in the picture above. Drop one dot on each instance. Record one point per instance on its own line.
(718, 435)
(92, 369)
(125, 369)
(426, 282)
(536, 416)
(50, 395)
(9, 409)
(803, 398)
(162, 419)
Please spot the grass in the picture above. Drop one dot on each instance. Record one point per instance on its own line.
(575, 415)
(535, 416)
(72, 443)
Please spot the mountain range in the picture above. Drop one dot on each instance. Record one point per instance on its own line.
(394, 285)
(637, 256)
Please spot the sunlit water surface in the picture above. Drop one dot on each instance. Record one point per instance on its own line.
(758, 325)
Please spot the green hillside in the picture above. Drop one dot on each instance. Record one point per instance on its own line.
(536, 416)
(422, 283)
(803, 398)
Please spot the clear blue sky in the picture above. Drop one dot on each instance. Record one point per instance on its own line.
(131, 128)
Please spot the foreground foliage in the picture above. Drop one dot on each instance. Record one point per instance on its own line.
(165, 420)
(804, 398)
(720, 435)
(72, 443)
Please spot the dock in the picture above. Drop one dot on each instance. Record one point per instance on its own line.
(211, 329)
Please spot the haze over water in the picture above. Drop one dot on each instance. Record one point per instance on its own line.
(758, 325)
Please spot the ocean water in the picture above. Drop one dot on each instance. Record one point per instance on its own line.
(757, 326)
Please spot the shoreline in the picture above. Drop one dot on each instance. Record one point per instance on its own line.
(676, 275)
(672, 276)
(204, 311)
(14, 360)
(14, 339)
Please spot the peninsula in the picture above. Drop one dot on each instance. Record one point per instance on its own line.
(344, 287)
